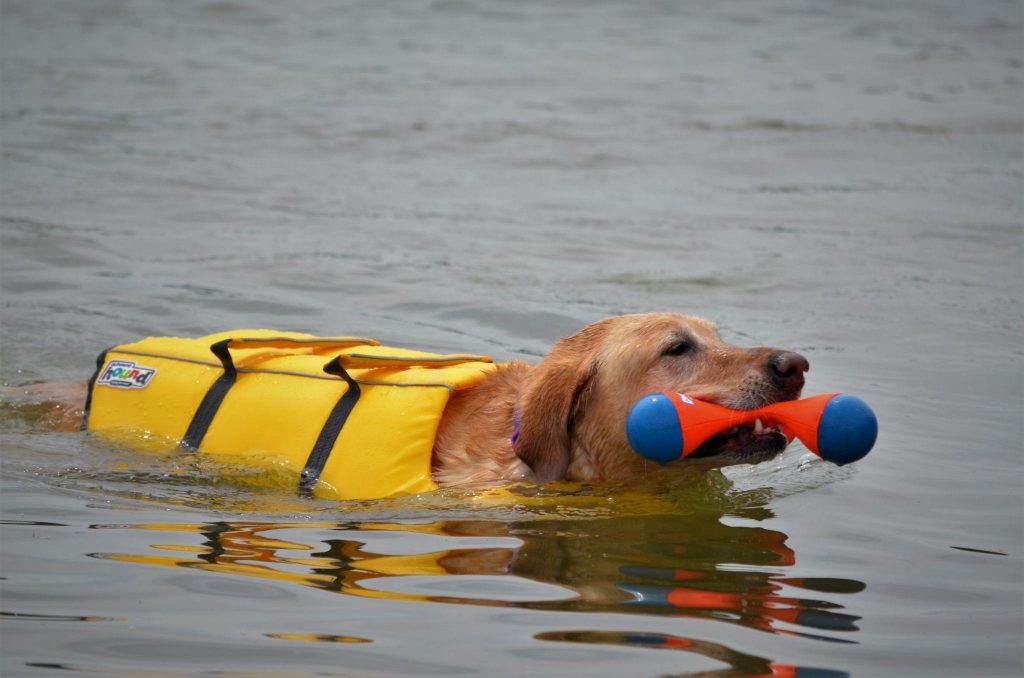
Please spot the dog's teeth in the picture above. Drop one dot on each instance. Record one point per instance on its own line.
(758, 426)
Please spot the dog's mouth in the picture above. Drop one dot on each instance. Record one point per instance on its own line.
(745, 440)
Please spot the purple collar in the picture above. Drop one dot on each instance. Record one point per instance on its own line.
(516, 425)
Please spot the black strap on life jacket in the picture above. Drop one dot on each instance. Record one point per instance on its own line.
(332, 427)
(100, 360)
(203, 417)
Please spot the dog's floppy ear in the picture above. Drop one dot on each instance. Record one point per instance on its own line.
(554, 396)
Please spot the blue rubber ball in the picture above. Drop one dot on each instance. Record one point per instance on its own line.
(653, 428)
(847, 430)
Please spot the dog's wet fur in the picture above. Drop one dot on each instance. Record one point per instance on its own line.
(572, 406)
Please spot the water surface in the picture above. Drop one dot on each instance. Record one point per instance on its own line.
(842, 179)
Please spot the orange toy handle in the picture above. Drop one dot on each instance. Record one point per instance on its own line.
(837, 427)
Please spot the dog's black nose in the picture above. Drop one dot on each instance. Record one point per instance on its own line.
(787, 368)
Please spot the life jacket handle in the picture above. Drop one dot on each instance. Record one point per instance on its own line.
(299, 342)
(203, 416)
(354, 360)
(369, 361)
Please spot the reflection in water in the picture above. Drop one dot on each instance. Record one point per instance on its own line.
(688, 566)
(29, 616)
(319, 637)
(109, 672)
(739, 665)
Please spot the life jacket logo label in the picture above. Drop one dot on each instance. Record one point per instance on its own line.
(126, 374)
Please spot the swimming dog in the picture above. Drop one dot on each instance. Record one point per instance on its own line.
(564, 418)
(567, 414)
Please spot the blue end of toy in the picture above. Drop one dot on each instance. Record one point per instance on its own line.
(847, 430)
(646, 594)
(653, 429)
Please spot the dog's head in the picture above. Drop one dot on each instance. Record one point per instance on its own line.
(573, 406)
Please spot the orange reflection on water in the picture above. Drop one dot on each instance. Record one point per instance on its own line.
(739, 664)
(699, 568)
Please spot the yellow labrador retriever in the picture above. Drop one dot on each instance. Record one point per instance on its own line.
(565, 418)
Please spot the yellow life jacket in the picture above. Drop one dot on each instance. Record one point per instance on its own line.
(352, 419)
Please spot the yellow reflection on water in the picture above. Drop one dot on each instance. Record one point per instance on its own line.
(668, 564)
(318, 637)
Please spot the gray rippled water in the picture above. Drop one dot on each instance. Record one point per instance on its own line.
(483, 176)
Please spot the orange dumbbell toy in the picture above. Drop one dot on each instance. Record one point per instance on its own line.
(837, 427)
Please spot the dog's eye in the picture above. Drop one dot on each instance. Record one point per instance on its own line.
(679, 348)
